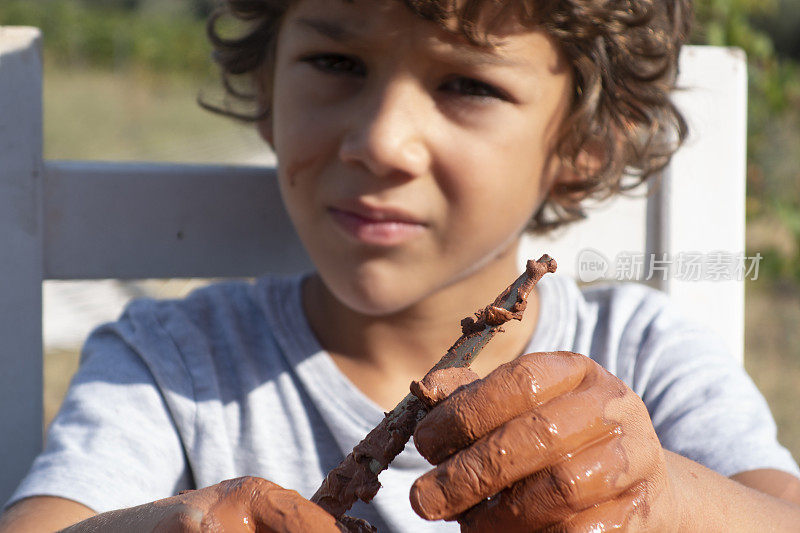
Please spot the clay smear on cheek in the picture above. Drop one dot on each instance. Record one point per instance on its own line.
(296, 166)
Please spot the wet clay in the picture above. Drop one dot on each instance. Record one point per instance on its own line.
(245, 504)
(357, 476)
(439, 384)
(514, 388)
(550, 446)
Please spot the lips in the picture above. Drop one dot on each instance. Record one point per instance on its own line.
(377, 226)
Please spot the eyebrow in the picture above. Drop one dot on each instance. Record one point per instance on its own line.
(327, 28)
(342, 34)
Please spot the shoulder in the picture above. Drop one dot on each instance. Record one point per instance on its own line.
(616, 301)
(702, 403)
(641, 317)
(630, 304)
(626, 327)
(210, 310)
(191, 343)
(202, 305)
(615, 308)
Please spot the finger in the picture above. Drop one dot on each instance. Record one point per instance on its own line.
(510, 390)
(440, 384)
(555, 493)
(287, 511)
(278, 510)
(514, 451)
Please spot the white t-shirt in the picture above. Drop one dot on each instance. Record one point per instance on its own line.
(230, 381)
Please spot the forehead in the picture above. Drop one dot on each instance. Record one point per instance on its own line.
(390, 24)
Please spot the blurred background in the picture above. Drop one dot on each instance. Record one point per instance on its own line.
(121, 82)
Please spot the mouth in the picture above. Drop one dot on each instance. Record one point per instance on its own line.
(376, 226)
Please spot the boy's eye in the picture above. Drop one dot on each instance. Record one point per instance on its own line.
(338, 64)
(471, 87)
(335, 64)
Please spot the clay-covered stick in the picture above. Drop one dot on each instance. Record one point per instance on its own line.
(357, 476)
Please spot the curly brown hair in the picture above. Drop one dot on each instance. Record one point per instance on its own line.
(624, 55)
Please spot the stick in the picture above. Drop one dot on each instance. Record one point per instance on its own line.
(357, 476)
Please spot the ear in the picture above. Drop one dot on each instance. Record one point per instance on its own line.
(590, 159)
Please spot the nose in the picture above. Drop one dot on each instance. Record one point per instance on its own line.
(386, 136)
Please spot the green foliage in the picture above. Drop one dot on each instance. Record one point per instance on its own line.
(789, 264)
(110, 34)
(727, 23)
(782, 24)
(773, 113)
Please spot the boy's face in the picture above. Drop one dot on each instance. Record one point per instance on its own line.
(409, 159)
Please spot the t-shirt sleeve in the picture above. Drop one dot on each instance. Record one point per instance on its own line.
(702, 403)
(113, 443)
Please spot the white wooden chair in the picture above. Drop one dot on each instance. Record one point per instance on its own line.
(83, 220)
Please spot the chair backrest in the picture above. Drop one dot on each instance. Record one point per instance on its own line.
(72, 220)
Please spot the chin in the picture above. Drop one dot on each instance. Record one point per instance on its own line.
(371, 301)
(374, 294)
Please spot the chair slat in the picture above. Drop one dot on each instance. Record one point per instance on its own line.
(144, 220)
(20, 253)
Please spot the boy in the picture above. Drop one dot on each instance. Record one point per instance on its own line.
(411, 159)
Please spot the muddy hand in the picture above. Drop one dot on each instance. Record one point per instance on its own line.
(242, 504)
(549, 440)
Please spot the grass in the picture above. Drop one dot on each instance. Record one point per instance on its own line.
(772, 348)
(59, 367)
(134, 115)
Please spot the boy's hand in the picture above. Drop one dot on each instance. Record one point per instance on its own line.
(244, 504)
(549, 439)
(241, 504)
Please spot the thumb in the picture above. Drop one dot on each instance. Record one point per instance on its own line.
(285, 511)
(439, 384)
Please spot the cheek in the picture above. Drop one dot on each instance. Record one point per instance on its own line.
(493, 189)
(304, 138)
(300, 122)
(499, 174)
(294, 129)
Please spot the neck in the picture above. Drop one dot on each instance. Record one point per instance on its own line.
(404, 345)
